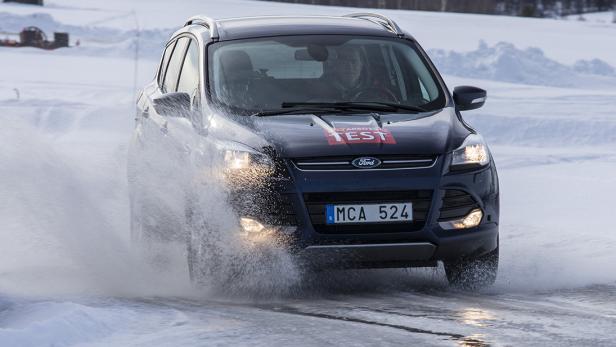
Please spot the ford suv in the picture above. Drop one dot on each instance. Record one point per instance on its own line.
(365, 158)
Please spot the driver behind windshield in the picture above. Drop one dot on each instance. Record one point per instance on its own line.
(345, 72)
(248, 76)
(347, 77)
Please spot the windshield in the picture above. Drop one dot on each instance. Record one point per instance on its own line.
(254, 75)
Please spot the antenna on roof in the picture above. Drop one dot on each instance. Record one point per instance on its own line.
(205, 21)
(379, 19)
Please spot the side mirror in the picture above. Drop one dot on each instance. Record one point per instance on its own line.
(173, 105)
(469, 98)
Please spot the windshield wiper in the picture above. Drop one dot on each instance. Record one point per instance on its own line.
(375, 106)
(298, 109)
(337, 107)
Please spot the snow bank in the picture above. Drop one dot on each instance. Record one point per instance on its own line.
(594, 67)
(537, 131)
(501, 62)
(504, 62)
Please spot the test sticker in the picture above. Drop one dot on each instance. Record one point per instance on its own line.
(342, 136)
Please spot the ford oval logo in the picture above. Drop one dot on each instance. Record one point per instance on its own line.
(366, 162)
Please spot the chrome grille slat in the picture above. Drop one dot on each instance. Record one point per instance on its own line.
(323, 163)
(407, 161)
(344, 163)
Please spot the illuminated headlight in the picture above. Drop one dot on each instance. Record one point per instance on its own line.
(473, 153)
(239, 157)
(471, 220)
(236, 160)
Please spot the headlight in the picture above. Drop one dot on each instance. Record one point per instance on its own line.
(237, 160)
(473, 153)
(239, 157)
(243, 166)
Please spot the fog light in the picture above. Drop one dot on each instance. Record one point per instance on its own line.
(255, 233)
(471, 220)
(251, 226)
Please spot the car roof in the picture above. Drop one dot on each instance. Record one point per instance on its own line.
(264, 26)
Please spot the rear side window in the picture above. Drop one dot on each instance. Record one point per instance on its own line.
(175, 64)
(164, 63)
(189, 76)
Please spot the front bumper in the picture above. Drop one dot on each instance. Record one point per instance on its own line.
(479, 241)
(421, 244)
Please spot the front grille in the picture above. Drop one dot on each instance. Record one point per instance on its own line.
(315, 203)
(344, 162)
(456, 204)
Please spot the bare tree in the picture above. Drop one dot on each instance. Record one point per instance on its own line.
(443, 5)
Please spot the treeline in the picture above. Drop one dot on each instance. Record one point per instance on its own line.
(527, 8)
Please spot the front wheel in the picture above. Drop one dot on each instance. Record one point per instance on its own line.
(203, 252)
(473, 273)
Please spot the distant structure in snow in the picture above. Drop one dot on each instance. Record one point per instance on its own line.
(525, 8)
(28, 2)
(35, 37)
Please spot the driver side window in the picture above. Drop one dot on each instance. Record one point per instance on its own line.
(189, 81)
(189, 75)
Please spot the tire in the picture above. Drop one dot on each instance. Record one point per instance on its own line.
(136, 223)
(193, 263)
(202, 256)
(473, 273)
(148, 240)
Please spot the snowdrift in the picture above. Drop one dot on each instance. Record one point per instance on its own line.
(506, 63)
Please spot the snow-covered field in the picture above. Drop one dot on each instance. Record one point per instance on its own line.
(68, 277)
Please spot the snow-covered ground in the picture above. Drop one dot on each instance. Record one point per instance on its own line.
(68, 277)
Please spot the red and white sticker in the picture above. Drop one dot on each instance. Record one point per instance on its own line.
(342, 136)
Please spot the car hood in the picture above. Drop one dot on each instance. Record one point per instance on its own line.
(309, 135)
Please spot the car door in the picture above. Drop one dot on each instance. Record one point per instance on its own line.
(165, 146)
(152, 157)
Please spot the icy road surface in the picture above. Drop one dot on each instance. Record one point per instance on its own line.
(401, 314)
(68, 276)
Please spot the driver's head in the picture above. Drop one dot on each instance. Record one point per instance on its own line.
(348, 66)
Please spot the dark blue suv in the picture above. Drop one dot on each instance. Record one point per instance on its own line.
(362, 155)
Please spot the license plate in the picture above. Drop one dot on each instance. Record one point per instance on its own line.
(369, 213)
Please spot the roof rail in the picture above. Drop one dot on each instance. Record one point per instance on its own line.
(379, 19)
(207, 22)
